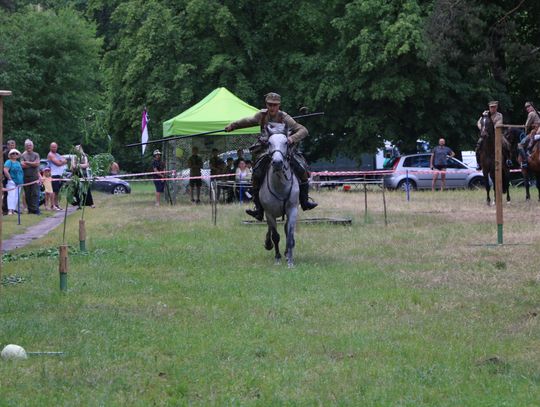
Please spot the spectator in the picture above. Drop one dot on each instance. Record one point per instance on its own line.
(10, 145)
(439, 161)
(30, 166)
(243, 174)
(114, 169)
(158, 167)
(195, 164)
(79, 167)
(240, 156)
(47, 184)
(217, 167)
(14, 173)
(57, 164)
(229, 169)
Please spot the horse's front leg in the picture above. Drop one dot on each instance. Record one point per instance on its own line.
(538, 185)
(526, 182)
(289, 231)
(275, 240)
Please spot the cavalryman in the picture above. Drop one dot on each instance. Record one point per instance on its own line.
(496, 118)
(531, 129)
(272, 114)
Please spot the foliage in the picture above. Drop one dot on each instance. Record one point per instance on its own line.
(100, 164)
(50, 63)
(397, 69)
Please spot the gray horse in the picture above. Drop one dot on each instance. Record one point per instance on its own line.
(279, 192)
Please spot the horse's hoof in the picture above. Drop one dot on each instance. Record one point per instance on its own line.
(277, 262)
(290, 265)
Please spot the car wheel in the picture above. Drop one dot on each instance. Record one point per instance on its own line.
(119, 189)
(476, 183)
(403, 184)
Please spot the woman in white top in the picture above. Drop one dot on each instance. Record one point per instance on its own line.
(243, 173)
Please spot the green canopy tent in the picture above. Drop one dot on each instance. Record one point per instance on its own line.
(214, 112)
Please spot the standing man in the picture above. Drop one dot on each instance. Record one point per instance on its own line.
(30, 165)
(439, 162)
(57, 164)
(496, 118)
(158, 167)
(298, 163)
(10, 145)
(195, 164)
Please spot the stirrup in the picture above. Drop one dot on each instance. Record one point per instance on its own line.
(257, 214)
(524, 165)
(509, 163)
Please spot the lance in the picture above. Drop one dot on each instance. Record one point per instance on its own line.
(210, 132)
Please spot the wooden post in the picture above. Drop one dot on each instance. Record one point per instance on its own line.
(63, 266)
(82, 236)
(365, 204)
(384, 204)
(2, 94)
(498, 183)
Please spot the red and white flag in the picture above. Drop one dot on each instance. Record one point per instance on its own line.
(144, 129)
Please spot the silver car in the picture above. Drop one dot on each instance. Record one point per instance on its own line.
(415, 168)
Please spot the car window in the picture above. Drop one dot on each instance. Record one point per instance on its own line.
(417, 161)
(453, 163)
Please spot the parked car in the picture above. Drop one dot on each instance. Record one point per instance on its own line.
(111, 185)
(108, 184)
(416, 169)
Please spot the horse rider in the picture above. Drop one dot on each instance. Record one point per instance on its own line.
(496, 118)
(272, 114)
(531, 129)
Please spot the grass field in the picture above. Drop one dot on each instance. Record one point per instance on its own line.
(168, 309)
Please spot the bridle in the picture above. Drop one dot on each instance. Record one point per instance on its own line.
(285, 170)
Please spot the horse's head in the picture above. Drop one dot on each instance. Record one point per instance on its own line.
(278, 145)
(487, 127)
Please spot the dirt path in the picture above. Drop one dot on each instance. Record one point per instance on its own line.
(36, 231)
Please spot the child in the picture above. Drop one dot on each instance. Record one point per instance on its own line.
(47, 183)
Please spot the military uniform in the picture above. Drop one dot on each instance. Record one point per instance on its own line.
(531, 126)
(298, 163)
(496, 118)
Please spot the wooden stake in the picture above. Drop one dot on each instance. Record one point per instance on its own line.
(498, 183)
(63, 266)
(2, 94)
(82, 236)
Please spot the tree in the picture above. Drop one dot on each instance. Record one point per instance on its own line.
(50, 61)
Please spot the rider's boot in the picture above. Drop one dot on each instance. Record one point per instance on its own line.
(258, 211)
(305, 203)
(524, 158)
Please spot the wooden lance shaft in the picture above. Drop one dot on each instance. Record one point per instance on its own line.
(63, 266)
(498, 183)
(82, 236)
(2, 94)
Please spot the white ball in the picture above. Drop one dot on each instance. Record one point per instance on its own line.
(13, 352)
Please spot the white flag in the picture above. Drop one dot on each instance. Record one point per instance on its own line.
(144, 129)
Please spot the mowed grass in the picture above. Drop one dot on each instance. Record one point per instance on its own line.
(168, 309)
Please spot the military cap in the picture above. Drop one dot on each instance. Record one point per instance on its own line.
(272, 97)
(528, 104)
(493, 103)
(156, 152)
